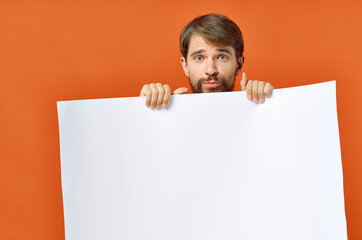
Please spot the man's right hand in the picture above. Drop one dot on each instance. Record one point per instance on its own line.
(158, 95)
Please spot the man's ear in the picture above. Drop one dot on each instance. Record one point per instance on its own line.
(184, 66)
(239, 65)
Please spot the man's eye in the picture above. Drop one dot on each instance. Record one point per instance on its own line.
(198, 58)
(223, 57)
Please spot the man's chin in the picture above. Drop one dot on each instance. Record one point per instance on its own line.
(210, 90)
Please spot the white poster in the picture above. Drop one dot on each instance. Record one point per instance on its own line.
(212, 166)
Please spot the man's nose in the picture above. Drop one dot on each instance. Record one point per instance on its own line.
(211, 68)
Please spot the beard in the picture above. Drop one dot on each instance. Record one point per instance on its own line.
(223, 87)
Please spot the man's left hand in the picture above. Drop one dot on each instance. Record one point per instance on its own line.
(256, 90)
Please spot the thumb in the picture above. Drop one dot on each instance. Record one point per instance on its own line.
(180, 90)
(243, 82)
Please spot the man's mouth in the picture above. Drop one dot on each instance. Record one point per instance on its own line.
(212, 84)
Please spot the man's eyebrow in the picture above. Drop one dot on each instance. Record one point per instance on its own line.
(196, 52)
(223, 50)
(218, 50)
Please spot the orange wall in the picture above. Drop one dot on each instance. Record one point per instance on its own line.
(60, 50)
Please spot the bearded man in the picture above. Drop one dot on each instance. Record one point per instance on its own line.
(212, 56)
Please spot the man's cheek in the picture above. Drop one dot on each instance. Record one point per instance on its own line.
(193, 78)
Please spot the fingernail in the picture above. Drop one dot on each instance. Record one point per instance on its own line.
(147, 105)
(164, 105)
(249, 97)
(158, 107)
(255, 100)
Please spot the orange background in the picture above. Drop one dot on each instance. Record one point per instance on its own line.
(61, 50)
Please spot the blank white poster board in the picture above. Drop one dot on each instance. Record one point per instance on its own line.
(212, 166)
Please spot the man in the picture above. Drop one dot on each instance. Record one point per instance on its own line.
(212, 56)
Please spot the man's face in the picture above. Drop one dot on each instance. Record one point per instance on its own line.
(210, 68)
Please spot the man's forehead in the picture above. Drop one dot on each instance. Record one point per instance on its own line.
(198, 43)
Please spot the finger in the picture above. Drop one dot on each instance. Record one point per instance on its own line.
(243, 82)
(143, 91)
(268, 89)
(154, 95)
(255, 91)
(261, 91)
(180, 90)
(146, 91)
(166, 97)
(248, 89)
(161, 93)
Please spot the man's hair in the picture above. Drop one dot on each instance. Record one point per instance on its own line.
(215, 28)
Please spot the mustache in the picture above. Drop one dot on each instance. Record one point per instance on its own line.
(198, 87)
(209, 78)
(224, 85)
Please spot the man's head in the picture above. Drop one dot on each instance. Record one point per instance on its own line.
(212, 48)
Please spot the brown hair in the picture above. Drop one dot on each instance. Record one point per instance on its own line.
(215, 28)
